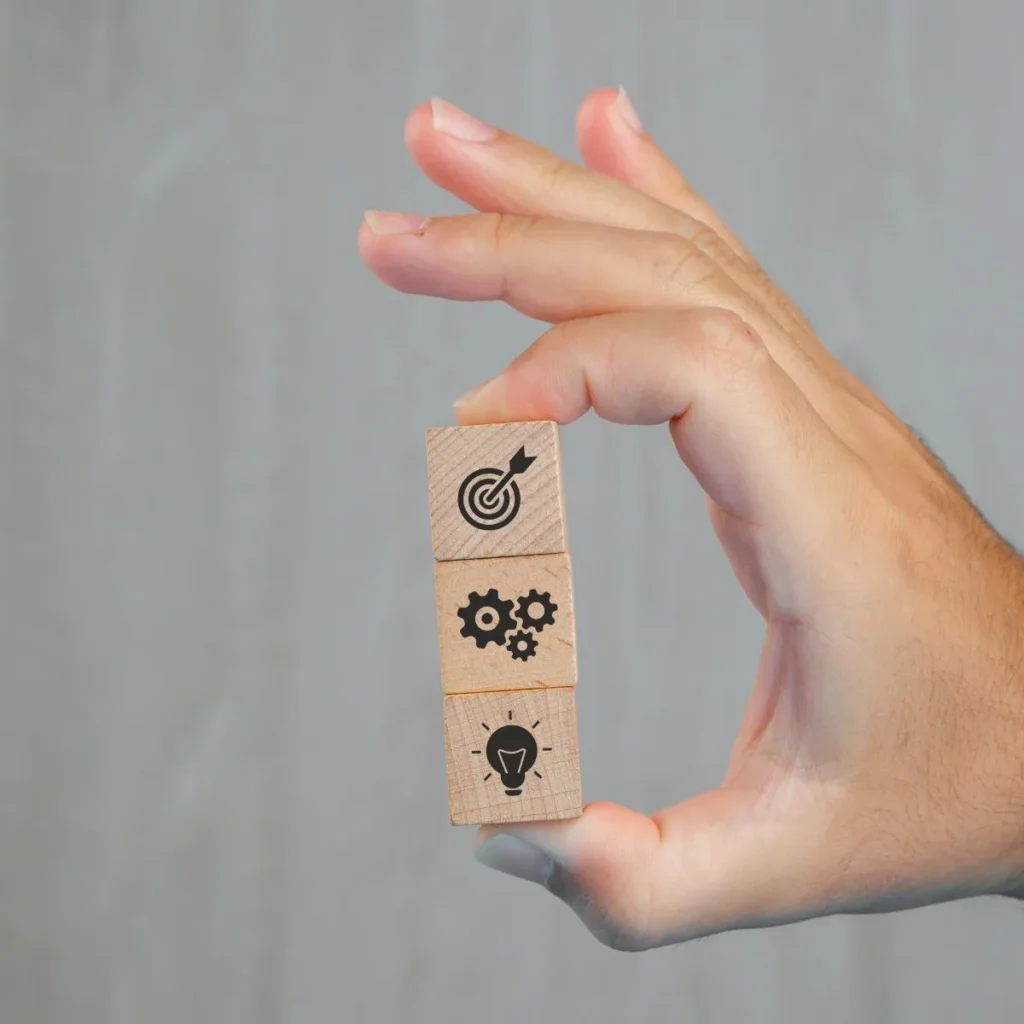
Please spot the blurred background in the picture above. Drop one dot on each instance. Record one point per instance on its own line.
(222, 791)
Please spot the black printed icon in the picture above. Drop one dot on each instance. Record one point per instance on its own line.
(522, 646)
(488, 619)
(511, 752)
(489, 499)
(535, 611)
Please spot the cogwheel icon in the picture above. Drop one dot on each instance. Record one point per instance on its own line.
(487, 619)
(531, 601)
(522, 645)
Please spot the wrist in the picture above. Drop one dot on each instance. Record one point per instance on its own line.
(1005, 752)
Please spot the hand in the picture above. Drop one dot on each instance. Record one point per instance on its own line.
(880, 760)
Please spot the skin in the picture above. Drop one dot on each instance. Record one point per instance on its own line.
(880, 760)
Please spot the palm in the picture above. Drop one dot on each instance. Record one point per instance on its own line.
(779, 737)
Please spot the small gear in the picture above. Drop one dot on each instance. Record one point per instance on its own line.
(522, 646)
(487, 619)
(537, 622)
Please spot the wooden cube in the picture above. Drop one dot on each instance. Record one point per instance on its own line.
(495, 490)
(505, 623)
(512, 756)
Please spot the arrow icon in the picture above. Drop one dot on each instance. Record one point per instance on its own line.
(519, 463)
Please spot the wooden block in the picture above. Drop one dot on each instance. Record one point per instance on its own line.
(505, 623)
(495, 490)
(512, 756)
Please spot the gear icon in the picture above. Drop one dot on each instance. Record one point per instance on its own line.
(522, 646)
(537, 622)
(487, 619)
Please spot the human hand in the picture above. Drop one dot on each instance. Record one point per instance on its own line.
(880, 760)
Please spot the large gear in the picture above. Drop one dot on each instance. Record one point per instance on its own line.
(487, 619)
(522, 645)
(537, 622)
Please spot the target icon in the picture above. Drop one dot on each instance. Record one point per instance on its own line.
(489, 498)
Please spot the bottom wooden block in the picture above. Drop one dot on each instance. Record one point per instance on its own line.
(512, 756)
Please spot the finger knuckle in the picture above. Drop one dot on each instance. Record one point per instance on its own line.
(557, 175)
(731, 347)
(705, 238)
(677, 264)
(505, 229)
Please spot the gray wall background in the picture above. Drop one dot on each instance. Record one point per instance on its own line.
(221, 753)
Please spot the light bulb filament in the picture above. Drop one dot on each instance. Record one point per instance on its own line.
(509, 766)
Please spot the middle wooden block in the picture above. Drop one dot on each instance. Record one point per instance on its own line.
(506, 623)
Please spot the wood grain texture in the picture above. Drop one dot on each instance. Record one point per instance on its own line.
(453, 453)
(549, 788)
(522, 605)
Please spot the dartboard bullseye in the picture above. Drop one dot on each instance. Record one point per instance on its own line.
(489, 498)
(484, 509)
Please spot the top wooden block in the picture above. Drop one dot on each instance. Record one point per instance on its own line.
(495, 491)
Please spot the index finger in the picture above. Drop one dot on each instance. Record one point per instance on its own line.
(742, 426)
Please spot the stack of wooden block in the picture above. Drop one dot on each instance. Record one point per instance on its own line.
(505, 622)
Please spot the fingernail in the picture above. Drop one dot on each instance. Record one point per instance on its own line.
(512, 856)
(481, 392)
(624, 105)
(452, 121)
(387, 222)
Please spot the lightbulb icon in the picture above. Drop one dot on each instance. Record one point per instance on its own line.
(511, 752)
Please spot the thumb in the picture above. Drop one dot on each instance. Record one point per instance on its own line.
(707, 865)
